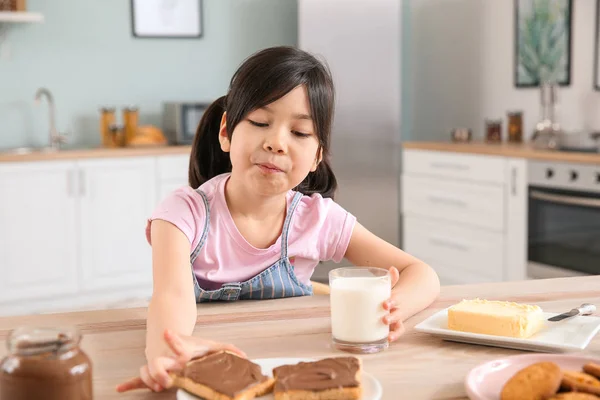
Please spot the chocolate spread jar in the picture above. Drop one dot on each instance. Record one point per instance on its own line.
(45, 363)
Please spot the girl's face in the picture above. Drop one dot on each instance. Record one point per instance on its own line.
(274, 148)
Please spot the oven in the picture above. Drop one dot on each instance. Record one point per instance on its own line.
(563, 219)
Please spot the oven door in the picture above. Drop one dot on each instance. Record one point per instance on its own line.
(564, 233)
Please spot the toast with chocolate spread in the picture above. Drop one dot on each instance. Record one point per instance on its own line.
(337, 378)
(223, 376)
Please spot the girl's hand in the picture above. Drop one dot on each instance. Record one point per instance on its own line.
(154, 375)
(394, 318)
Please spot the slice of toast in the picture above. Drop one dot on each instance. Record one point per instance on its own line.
(223, 376)
(337, 378)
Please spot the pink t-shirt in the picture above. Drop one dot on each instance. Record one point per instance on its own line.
(320, 230)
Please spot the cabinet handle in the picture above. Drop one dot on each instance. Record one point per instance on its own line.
(70, 191)
(447, 200)
(444, 165)
(446, 243)
(81, 183)
(513, 181)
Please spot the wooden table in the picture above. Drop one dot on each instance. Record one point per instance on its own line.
(418, 366)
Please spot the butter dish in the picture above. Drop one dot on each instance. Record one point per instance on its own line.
(572, 334)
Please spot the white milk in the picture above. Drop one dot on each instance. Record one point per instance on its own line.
(357, 309)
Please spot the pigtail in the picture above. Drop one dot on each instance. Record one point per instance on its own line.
(207, 160)
(321, 181)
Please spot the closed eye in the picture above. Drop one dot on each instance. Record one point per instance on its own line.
(259, 124)
(300, 134)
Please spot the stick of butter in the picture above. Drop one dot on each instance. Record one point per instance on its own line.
(500, 318)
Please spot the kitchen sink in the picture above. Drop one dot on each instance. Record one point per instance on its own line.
(27, 150)
(46, 149)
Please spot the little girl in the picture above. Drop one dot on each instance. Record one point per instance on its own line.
(259, 213)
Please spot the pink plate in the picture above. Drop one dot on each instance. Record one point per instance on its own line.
(485, 381)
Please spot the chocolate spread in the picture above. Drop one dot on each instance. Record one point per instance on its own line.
(329, 373)
(225, 373)
(49, 369)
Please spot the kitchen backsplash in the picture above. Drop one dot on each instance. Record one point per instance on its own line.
(85, 54)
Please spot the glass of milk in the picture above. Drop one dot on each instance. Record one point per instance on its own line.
(357, 297)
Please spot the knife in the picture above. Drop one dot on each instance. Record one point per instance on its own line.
(584, 309)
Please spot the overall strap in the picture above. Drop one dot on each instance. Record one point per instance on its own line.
(286, 224)
(202, 241)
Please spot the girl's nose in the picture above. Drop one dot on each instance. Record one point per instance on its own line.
(275, 143)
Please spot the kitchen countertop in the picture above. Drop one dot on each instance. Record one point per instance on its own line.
(101, 152)
(506, 150)
(419, 366)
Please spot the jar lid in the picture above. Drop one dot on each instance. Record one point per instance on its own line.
(493, 121)
(32, 341)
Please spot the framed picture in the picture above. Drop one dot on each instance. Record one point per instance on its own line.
(166, 18)
(597, 49)
(543, 42)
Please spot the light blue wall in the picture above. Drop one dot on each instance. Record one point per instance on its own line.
(85, 54)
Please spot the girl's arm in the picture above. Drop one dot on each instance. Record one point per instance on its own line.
(418, 284)
(173, 305)
(172, 312)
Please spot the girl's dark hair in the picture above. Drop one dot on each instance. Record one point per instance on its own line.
(262, 79)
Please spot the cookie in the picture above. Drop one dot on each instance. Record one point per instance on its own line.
(574, 396)
(592, 369)
(580, 382)
(538, 381)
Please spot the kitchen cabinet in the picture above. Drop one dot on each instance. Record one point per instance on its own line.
(516, 198)
(465, 214)
(73, 231)
(172, 173)
(116, 198)
(468, 203)
(38, 230)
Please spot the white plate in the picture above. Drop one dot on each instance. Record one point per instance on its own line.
(371, 386)
(571, 334)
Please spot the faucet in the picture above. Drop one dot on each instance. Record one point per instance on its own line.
(55, 139)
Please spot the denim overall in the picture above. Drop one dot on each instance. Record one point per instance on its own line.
(277, 281)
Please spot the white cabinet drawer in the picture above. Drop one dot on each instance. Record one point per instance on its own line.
(174, 167)
(473, 250)
(458, 166)
(464, 202)
(452, 276)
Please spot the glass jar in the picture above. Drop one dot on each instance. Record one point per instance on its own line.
(493, 131)
(515, 127)
(548, 132)
(45, 363)
(130, 123)
(116, 135)
(107, 118)
(8, 5)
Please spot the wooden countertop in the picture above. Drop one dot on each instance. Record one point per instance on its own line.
(506, 150)
(75, 154)
(419, 366)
